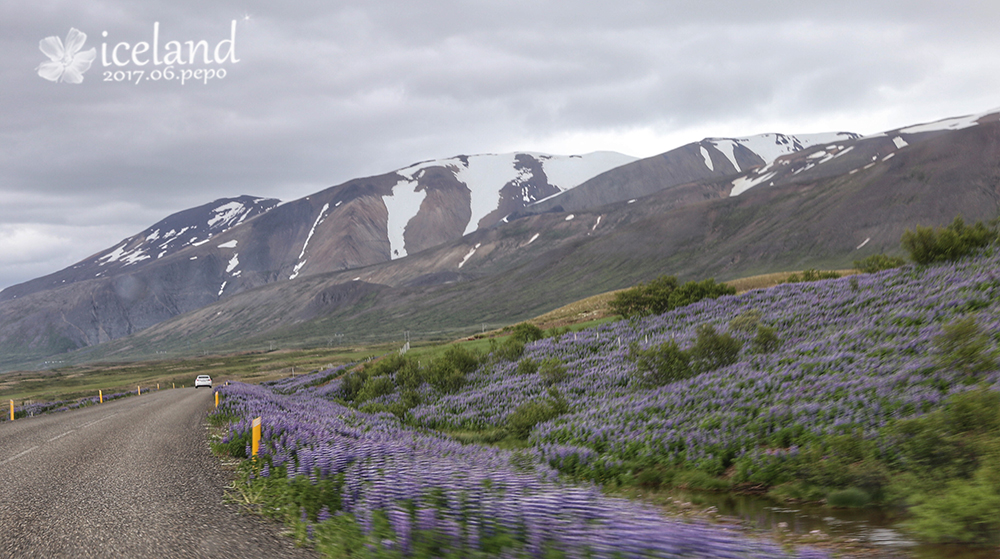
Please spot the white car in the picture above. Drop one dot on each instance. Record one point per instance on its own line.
(203, 380)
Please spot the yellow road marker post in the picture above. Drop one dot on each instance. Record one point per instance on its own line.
(100, 395)
(12, 410)
(216, 400)
(255, 438)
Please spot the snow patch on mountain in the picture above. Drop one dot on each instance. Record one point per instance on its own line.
(229, 244)
(745, 183)
(485, 175)
(469, 255)
(728, 148)
(126, 257)
(302, 261)
(567, 171)
(708, 158)
(227, 215)
(957, 123)
(402, 205)
(770, 146)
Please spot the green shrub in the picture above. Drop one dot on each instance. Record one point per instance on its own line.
(797, 491)
(952, 462)
(446, 379)
(661, 364)
(964, 347)
(852, 497)
(664, 294)
(927, 245)
(766, 340)
(694, 291)
(527, 366)
(877, 263)
(697, 479)
(952, 441)
(552, 371)
(712, 350)
(645, 299)
(460, 358)
(746, 321)
(352, 384)
(386, 366)
(533, 412)
(410, 376)
(654, 476)
(526, 332)
(508, 350)
(965, 511)
(375, 387)
(811, 274)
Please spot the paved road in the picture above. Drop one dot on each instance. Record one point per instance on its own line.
(129, 478)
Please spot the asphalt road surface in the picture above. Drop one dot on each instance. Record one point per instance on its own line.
(130, 478)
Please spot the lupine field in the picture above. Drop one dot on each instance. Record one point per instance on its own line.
(855, 354)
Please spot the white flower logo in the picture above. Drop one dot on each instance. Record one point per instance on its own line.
(66, 62)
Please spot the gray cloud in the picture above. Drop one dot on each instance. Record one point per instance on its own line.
(325, 92)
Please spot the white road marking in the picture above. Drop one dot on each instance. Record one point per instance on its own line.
(98, 420)
(60, 436)
(16, 456)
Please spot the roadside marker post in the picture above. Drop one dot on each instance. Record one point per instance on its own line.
(100, 395)
(12, 410)
(255, 438)
(216, 400)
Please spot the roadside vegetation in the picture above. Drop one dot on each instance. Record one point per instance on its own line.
(874, 389)
(877, 389)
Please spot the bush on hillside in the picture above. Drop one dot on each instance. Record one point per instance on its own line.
(552, 371)
(661, 364)
(746, 321)
(766, 340)
(645, 299)
(927, 245)
(664, 294)
(526, 332)
(964, 347)
(531, 413)
(712, 350)
(877, 263)
(508, 350)
(953, 457)
(811, 274)
(694, 291)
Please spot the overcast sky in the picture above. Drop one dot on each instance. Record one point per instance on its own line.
(316, 92)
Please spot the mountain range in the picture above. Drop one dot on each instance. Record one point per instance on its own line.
(440, 247)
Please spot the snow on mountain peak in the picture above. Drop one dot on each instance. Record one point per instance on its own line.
(486, 175)
(770, 146)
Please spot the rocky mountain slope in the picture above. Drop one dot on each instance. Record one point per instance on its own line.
(709, 158)
(820, 206)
